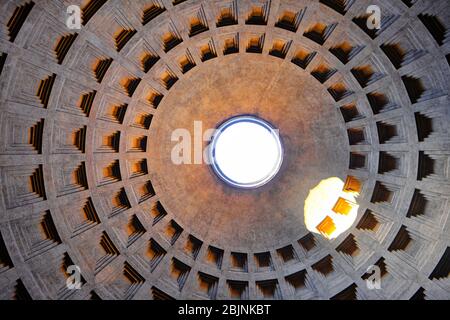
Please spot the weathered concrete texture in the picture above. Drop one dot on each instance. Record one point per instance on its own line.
(86, 178)
(269, 217)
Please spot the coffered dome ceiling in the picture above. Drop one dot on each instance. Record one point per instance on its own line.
(86, 123)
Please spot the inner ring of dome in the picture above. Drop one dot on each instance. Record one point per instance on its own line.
(246, 152)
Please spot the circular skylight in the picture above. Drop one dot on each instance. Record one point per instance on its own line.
(246, 152)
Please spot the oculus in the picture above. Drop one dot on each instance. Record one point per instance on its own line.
(246, 152)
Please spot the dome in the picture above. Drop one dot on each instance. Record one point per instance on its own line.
(93, 115)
